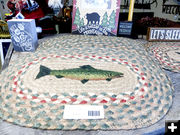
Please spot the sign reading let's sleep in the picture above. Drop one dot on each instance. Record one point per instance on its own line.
(163, 34)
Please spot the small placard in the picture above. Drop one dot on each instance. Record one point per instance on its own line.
(125, 28)
(83, 112)
(163, 34)
(23, 34)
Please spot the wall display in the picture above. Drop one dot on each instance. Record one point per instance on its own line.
(95, 17)
(169, 8)
(23, 34)
(124, 4)
(145, 4)
(177, 1)
(140, 4)
(163, 34)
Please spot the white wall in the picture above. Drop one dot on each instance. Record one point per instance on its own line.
(170, 13)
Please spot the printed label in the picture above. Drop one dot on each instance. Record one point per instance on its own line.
(83, 112)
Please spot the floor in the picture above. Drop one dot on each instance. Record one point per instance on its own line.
(156, 129)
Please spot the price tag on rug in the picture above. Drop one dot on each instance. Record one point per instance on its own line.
(83, 112)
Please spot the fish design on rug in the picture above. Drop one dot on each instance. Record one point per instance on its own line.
(83, 73)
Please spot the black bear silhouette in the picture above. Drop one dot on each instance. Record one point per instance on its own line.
(93, 18)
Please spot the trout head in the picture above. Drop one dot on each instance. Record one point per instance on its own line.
(115, 74)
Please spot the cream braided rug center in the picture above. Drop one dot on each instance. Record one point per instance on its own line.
(50, 83)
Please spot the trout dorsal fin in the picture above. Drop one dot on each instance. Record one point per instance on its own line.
(86, 67)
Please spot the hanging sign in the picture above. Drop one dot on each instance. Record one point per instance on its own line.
(163, 34)
(95, 17)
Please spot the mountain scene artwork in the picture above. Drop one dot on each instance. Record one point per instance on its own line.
(95, 17)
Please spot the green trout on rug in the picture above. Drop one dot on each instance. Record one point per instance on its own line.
(84, 73)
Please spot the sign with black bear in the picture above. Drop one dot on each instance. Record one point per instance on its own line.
(95, 17)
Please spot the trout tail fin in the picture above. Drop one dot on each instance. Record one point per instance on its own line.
(43, 72)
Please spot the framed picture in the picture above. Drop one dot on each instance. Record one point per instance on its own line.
(95, 17)
(4, 46)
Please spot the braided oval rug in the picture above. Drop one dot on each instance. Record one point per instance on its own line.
(139, 98)
(167, 54)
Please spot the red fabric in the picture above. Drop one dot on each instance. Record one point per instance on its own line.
(38, 13)
(10, 5)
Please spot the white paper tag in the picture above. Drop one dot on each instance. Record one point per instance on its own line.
(19, 16)
(83, 112)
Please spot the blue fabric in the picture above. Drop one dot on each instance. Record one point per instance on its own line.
(156, 132)
(175, 79)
